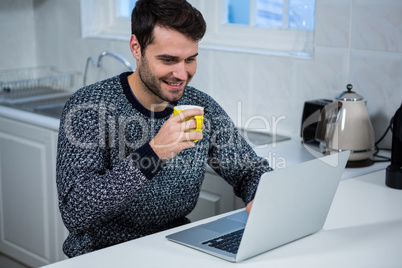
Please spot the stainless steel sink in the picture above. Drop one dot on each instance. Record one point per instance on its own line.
(42, 89)
(260, 138)
(53, 110)
(49, 106)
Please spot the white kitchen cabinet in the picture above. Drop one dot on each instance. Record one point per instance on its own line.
(216, 197)
(31, 230)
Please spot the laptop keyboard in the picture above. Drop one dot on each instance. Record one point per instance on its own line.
(229, 242)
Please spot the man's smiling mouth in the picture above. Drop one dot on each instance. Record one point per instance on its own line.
(174, 84)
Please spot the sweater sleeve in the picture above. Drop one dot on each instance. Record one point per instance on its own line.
(92, 189)
(231, 156)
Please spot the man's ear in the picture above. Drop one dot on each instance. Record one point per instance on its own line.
(135, 47)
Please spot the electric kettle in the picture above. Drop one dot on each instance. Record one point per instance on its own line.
(345, 125)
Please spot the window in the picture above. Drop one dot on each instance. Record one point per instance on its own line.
(274, 27)
(278, 27)
(108, 19)
(124, 8)
(293, 14)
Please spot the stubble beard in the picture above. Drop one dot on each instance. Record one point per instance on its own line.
(152, 84)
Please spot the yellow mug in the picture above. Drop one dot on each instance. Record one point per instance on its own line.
(198, 118)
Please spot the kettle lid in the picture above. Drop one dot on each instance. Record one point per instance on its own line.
(349, 95)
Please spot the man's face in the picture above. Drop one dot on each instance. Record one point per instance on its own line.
(168, 65)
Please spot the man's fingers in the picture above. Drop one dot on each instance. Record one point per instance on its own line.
(177, 134)
(191, 124)
(193, 135)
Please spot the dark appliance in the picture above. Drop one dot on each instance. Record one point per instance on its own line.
(393, 177)
(311, 116)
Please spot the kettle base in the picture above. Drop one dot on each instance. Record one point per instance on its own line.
(360, 164)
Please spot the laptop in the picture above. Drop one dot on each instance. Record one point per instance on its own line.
(289, 204)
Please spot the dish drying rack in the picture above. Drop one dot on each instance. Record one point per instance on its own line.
(36, 83)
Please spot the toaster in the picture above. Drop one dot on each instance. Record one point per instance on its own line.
(311, 115)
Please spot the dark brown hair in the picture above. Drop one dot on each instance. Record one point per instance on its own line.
(178, 15)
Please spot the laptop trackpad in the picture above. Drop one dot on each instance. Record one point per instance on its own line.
(224, 225)
(241, 216)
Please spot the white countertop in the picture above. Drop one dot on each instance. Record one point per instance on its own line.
(291, 152)
(30, 117)
(363, 229)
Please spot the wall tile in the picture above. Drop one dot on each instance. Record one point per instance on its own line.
(48, 28)
(205, 72)
(273, 97)
(377, 25)
(17, 34)
(232, 81)
(324, 76)
(332, 24)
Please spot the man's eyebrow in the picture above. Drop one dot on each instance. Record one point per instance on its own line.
(195, 55)
(174, 57)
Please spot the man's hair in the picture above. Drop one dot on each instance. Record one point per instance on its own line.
(177, 15)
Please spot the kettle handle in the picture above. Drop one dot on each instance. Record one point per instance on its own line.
(327, 123)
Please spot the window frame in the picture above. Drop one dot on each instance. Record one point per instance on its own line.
(249, 39)
(99, 20)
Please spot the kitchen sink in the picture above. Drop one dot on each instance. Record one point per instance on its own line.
(261, 138)
(41, 89)
(48, 105)
(53, 110)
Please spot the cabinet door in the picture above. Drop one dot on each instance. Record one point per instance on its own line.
(61, 230)
(27, 193)
(216, 197)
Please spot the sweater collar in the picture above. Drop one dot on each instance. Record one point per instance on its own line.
(137, 105)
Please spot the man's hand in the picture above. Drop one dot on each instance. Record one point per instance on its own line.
(172, 138)
(249, 205)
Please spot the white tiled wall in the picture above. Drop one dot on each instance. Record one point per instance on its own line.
(377, 25)
(17, 34)
(356, 41)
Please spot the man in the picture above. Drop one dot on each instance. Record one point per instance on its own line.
(126, 167)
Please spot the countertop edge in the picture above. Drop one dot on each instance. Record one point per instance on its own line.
(30, 118)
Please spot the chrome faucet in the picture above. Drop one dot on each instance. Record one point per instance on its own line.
(103, 54)
(89, 60)
(118, 57)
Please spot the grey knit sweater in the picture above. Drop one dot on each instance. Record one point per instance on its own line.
(112, 187)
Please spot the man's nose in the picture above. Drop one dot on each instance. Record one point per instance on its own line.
(180, 71)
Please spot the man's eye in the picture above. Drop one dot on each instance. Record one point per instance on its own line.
(167, 60)
(190, 60)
